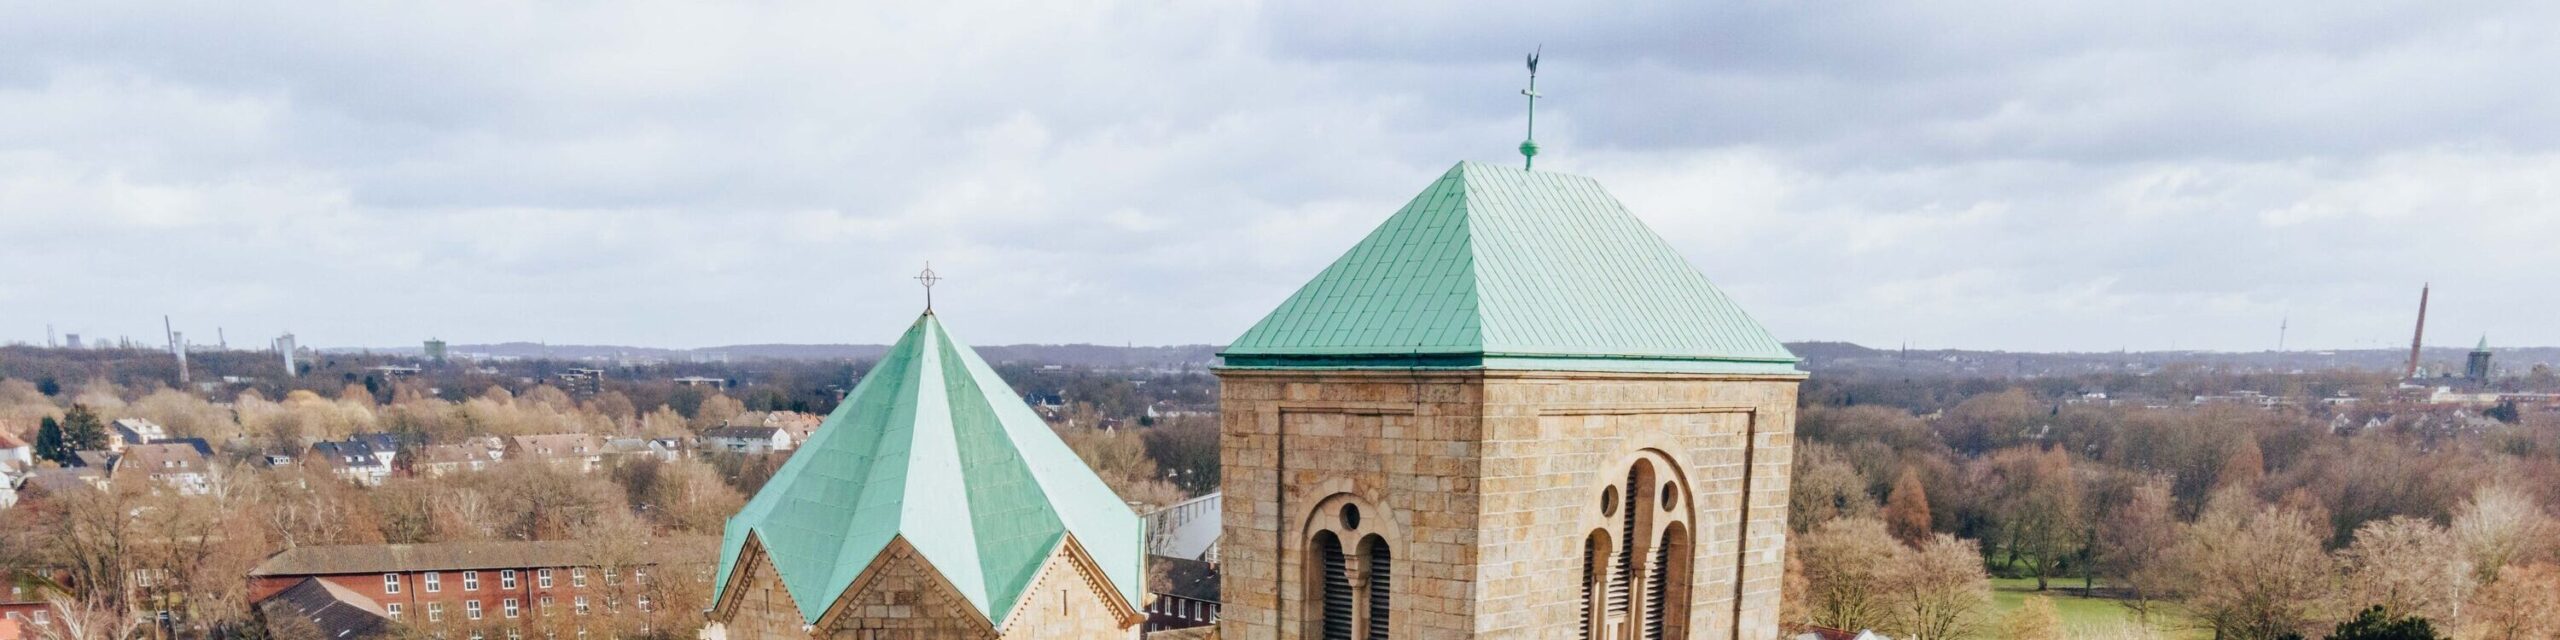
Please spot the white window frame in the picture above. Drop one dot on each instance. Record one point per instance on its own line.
(435, 612)
(392, 609)
(542, 577)
(471, 581)
(507, 579)
(432, 584)
(578, 577)
(511, 607)
(581, 603)
(391, 583)
(471, 610)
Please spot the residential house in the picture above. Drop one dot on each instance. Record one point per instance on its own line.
(478, 589)
(747, 439)
(15, 453)
(61, 481)
(579, 451)
(441, 459)
(1186, 594)
(178, 466)
(799, 425)
(24, 609)
(1827, 633)
(663, 449)
(17, 459)
(354, 460)
(126, 432)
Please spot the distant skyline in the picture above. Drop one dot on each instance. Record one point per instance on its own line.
(1978, 174)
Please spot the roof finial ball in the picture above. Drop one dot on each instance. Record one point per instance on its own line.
(1529, 145)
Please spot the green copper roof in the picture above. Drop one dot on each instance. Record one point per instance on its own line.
(1504, 268)
(933, 446)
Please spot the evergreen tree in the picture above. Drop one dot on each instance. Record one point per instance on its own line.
(49, 445)
(82, 430)
(2377, 624)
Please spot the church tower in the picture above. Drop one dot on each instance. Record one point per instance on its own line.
(932, 505)
(1512, 411)
(2476, 368)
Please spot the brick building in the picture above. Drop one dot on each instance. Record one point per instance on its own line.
(933, 505)
(1512, 411)
(480, 589)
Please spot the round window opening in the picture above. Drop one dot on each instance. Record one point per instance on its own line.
(1350, 516)
(1670, 496)
(1609, 501)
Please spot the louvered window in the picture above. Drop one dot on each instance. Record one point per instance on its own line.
(1656, 587)
(1626, 564)
(1381, 568)
(1590, 579)
(1336, 578)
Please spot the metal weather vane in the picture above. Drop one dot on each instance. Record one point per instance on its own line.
(1529, 145)
(928, 278)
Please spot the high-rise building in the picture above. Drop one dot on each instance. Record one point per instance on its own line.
(1512, 411)
(285, 347)
(435, 350)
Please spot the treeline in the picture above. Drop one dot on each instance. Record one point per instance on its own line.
(2233, 521)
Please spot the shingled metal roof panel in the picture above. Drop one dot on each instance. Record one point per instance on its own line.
(1497, 266)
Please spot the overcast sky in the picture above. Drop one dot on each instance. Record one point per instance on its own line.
(2022, 175)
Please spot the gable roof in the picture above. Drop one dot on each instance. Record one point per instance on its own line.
(454, 556)
(558, 444)
(337, 611)
(934, 448)
(743, 433)
(158, 458)
(1497, 267)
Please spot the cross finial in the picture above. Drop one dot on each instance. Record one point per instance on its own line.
(928, 278)
(1529, 146)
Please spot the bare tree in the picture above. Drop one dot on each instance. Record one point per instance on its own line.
(2134, 542)
(2409, 567)
(2523, 603)
(2257, 576)
(1906, 511)
(1938, 591)
(2035, 619)
(2500, 526)
(1843, 567)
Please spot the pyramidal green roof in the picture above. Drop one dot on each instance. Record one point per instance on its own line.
(1499, 267)
(933, 446)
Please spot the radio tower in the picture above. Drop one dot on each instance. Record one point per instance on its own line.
(2420, 339)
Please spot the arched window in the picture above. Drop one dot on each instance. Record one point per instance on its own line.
(1666, 609)
(1350, 586)
(1594, 547)
(1644, 539)
(1335, 588)
(1381, 585)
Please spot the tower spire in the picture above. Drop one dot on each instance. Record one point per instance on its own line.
(1529, 145)
(928, 278)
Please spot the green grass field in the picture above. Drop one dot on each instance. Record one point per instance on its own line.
(2101, 617)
